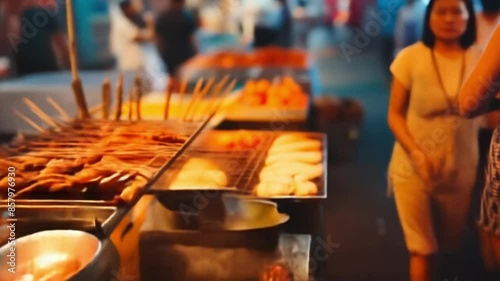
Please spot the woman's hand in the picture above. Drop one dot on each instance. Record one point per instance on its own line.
(422, 165)
(428, 168)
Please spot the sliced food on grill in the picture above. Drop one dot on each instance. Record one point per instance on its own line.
(293, 163)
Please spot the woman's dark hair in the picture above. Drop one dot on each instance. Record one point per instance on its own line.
(490, 6)
(134, 16)
(124, 4)
(467, 39)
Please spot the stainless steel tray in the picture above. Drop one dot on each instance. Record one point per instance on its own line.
(31, 219)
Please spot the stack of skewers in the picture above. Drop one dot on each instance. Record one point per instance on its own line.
(107, 157)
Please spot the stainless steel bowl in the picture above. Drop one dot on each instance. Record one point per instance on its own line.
(49, 255)
(245, 213)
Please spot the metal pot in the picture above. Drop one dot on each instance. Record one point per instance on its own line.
(221, 211)
(210, 243)
(224, 221)
(60, 255)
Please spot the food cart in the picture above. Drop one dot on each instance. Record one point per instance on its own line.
(179, 196)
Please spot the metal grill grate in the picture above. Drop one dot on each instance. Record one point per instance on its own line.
(242, 166)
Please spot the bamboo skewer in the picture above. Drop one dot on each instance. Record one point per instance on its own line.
(197, 89)
(182, 92)
(59, 109)
(94, 110)
(138, 96)
(29, 121)
(224, 95)
(200, 98)
(76, 83)
(106, 98)
(131, 103)
(219, 97)
(215, 92)
(39, 112)
(82, 144)
(168, 96)
(119, 98)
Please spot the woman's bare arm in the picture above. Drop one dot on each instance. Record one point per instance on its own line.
(398, 107)
(146, 34)
(482, 86)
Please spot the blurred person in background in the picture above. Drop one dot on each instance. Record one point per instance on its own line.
(6, 52)
(39, 41)
(356, 13)
(273, 23)
(409, 24)
(302, 26)
(333, 10)
(129, 28)
(487, 20)
(391, 9)
(132, 35)
(175, 30)
(478, 96)
(433, 164)
(157, 6)
(285, 36)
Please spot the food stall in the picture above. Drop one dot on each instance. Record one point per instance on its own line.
(154, 187)
(277, 85)
(121, 179)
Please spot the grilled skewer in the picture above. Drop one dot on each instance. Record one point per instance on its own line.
(199, 99)
(76, 82)
(106, 98)
(119, 98)
(59, 109)
(138, 96)
(168, 96)
(194, 96)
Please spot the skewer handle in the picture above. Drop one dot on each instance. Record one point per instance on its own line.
(215, 92)
(182, 92)
(168, 97)
(119, 98)
(76, 84)
(71, 38)
(40, 113)
(138, 96)
(131, 99)
(59, 109)
(225, 94)
(200, 98)
(106, 98)
(194, 96)
(29, 121)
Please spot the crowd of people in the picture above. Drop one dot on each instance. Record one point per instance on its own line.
(155, 34)
(443, 87)
(172, 30)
